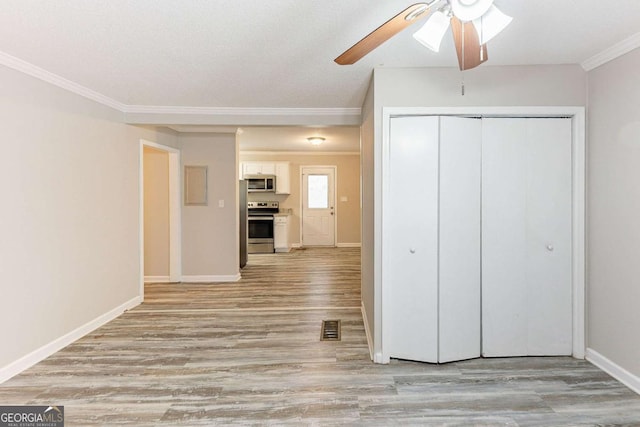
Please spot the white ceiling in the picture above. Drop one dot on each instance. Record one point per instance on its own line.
(275, 53)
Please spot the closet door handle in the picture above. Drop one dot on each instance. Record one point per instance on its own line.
(550, 248)
(412, 250)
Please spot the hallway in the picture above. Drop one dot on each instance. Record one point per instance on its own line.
(249, 353)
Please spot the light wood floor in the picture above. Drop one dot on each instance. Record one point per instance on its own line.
(249, 353)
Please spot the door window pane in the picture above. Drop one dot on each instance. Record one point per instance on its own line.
(318, 191)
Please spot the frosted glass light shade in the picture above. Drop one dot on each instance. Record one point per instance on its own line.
(490, 24)
(468, 10)
(431, 33)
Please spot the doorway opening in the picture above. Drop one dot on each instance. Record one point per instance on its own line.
(163, 161)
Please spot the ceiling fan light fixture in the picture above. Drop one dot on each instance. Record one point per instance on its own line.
(468, 10)
(432, 32)
(491, 24)
(316, 140)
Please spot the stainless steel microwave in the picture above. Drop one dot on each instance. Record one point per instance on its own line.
(260, 183)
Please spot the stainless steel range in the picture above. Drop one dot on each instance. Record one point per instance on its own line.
(260, 235)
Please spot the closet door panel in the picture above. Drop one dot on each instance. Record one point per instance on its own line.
(459, 249)
(526, 237)
(410, 267)
(504, 239)
(549, 237)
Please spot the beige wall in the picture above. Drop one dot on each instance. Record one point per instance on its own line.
(613, 208)
(347, 184)
(69, 220)
(548, 85)
(209, 233)
(368, 217)
(156, 213)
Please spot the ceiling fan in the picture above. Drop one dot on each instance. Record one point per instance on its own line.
(473, 24)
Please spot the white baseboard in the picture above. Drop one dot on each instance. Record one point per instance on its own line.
(366, 330)
(211, 279)
(157, 279)
(616, 371)
(296, 245)
(58, 344)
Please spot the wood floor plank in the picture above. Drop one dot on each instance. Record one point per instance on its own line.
(249, 353)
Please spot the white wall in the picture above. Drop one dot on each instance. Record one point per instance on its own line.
(69, 252)
(210, 250)
(613, 210)
(367, 163)
(440, 87)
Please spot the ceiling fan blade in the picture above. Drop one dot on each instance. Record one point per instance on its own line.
(473, 54)
(383, 33)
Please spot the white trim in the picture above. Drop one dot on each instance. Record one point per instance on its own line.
(239, 111)
(157, 279)
(175, 216)
(615, 370)
(366, 329)
(58, 344)
(175, 212)
(578, 233)
(577, 114)
(296, 245)
(348, 245)
(54, 79)
(211, 279)
(301, 153)
(611, 53)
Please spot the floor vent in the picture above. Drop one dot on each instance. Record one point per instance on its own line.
(330, 330)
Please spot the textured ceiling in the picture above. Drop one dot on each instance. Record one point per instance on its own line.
(274, 53)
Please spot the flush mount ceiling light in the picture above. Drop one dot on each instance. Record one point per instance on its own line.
(473, 23)
(315, 140)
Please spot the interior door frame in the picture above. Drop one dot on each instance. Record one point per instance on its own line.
(175, 212)
(335, 205)
(578, 202)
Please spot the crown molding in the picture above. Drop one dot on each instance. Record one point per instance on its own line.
(615, 51)
(240, 111)
(54, 79)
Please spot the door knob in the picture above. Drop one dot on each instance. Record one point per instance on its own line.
(550, 248)
(412, 250)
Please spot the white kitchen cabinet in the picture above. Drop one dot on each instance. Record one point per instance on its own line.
(283, 180)
(281, 233)
(259, 168)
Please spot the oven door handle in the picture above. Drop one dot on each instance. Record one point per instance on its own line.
(258, 218)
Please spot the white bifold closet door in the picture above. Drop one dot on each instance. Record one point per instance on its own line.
(526, 237)
(431, 260)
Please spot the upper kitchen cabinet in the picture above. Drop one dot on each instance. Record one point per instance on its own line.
(283, 181)
(259, 168)
(279, 169)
